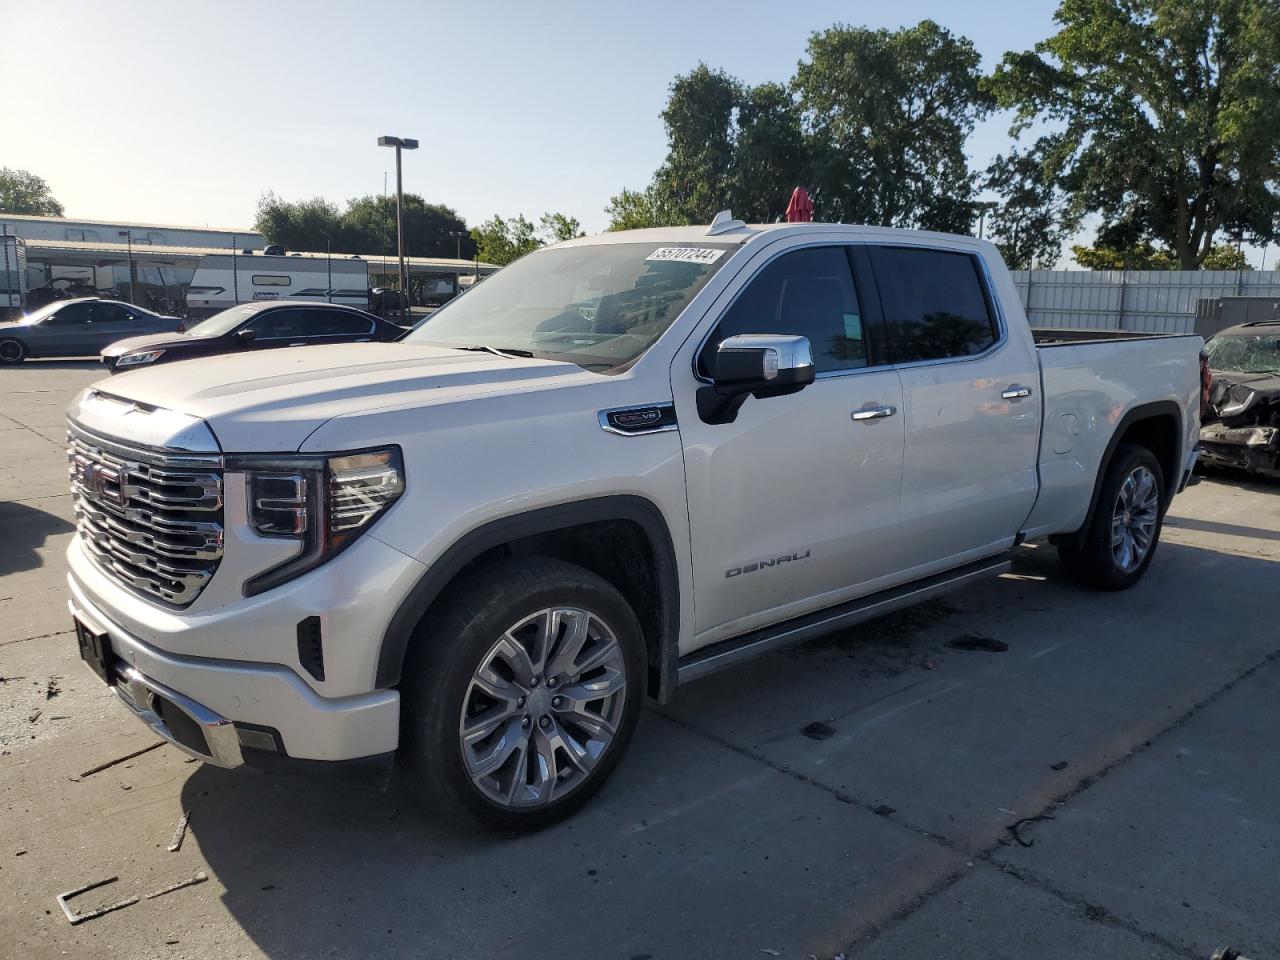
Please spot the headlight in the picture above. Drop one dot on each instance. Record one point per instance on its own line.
(324, 503)
(134, 359)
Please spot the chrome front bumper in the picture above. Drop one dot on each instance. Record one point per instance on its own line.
(193, 728)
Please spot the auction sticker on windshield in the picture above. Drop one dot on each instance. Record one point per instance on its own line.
(686, 254)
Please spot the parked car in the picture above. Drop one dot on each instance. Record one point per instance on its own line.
(1243, 426)
(77, 328)
(254, 326)
(618, 465)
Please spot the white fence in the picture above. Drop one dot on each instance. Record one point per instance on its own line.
(1147, 301)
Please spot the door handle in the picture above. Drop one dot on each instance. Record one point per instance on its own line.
(874, 412)
(1015, 392)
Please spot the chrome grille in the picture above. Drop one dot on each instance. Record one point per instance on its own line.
(151, 520)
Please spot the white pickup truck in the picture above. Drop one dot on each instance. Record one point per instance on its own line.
(619, 464)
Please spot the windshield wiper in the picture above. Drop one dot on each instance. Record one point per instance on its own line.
(497, 351)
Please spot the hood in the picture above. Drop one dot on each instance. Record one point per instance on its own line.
(270, 401)
(151, 340)
(1238, 398)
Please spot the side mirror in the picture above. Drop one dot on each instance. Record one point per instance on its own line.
(246, 337)
(753, 364)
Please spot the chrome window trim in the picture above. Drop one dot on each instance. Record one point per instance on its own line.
(804, 245)
(607, 427)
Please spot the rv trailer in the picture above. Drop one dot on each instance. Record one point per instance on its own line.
(223, 280)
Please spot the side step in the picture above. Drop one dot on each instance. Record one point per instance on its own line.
(726, 653)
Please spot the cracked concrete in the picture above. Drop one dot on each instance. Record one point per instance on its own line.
(1143, 722)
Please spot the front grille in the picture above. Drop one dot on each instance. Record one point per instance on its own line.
(151, 520)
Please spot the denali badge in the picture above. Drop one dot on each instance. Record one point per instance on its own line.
(762, 564)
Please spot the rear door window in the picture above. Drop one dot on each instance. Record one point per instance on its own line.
(335, 323)
(935, 303)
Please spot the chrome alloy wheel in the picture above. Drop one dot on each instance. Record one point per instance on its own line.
(542, 707)
(1133, 521)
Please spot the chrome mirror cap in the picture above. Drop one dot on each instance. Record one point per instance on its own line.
(781, 354)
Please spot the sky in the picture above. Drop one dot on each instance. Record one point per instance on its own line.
(185, 113)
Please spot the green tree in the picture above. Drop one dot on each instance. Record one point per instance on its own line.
(1146, 256)
(887, 115)
(1027, 223)
(23, 192)
(694, 180)
(557, 226)
(307, 225)
(430, 229)
(1169, 111)
(501, 241)
(637, 209)
(770, 154)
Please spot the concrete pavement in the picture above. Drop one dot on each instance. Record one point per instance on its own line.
(1142, 726)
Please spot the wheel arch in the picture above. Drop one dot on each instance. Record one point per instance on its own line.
(1158, 427)
(623, 538)
(26, 347)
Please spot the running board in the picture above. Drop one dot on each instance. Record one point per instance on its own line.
(727, 653)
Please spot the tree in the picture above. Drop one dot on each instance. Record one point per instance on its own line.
(501, 241)
(1169, 111)
(299, 225)
(693, 181)
(770, 156)
(557, 226)
(1145, 256)
(887, 115)
(430, 229)
(1027, 223)
(637, 209)
(23, 192)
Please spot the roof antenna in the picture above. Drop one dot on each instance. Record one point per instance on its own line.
(724, 223)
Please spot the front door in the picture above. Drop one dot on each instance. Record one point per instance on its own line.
(971, 407)
(795, 505)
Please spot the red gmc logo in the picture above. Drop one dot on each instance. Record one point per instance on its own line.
(97, 481)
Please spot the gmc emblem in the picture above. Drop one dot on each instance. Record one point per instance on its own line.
(97, 481)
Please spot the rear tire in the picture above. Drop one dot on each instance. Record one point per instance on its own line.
(521, 693)
(1115, 549)
(12, 351)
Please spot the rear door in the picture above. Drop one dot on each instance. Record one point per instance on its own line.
(970, 405)
(794, 506)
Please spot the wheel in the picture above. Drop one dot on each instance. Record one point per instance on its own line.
(1117, 546)
(521, 694)
(12, 351)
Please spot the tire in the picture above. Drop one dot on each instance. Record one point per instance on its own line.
(1115, 549)
(472, 647)
(12, 351)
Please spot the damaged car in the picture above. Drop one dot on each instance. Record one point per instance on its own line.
(1242, 425)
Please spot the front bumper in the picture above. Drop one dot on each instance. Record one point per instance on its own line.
(225, 697)
(1252, 448)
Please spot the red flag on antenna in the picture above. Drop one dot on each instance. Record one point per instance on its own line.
(800, 209)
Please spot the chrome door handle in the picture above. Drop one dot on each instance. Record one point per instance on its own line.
(1015, 392)
(874, 412)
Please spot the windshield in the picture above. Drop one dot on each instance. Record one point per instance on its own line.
(224, 321)
(1247, 353)
(46, 311)
(598, 306)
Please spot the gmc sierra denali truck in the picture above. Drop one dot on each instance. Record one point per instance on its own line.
(619, 464)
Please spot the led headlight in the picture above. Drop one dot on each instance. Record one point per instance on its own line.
(137, 359)
(324, 503)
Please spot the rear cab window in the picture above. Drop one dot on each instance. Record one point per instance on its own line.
(936, 305)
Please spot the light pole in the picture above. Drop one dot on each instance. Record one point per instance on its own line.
(457, 238)
(983, 206)
(128, 239)
(400, 143)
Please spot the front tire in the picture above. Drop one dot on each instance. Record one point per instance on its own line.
(12, 351)
(521, 693)
(1120, 540)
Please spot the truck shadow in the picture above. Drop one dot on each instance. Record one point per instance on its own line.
(698, 847)
(26, 530)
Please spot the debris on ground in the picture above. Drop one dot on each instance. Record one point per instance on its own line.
(818, 730)
(977, 642)
(51, 689)
(179, 832)
(1060, 765)
(128, 756)
(884, 810)
(35, 715)
(10, 679)
(73, 918)
(200, 877)
(1026, 841)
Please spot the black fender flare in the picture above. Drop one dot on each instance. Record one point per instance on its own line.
(400, 630)
(1144, 411)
